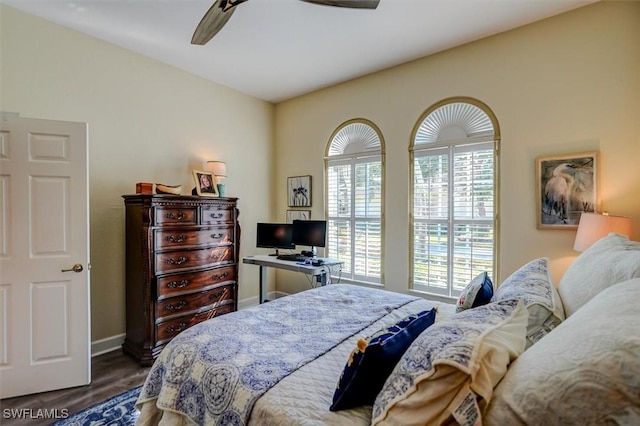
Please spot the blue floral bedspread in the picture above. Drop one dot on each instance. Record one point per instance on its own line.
(214, 372)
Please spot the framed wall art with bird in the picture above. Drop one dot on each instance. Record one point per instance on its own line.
(566, 187)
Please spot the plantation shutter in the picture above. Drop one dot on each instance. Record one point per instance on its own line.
(354, 201)
(339, 207)
(368, 227)
(431, 214)
(453, 237)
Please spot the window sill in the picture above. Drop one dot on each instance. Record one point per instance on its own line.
(434, 297)
(362, 283)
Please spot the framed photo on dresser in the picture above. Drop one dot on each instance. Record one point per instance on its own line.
(206, 185)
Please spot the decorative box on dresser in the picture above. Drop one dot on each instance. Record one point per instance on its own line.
(181, 266)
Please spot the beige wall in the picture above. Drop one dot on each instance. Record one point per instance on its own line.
(567, 84)
(148, 122)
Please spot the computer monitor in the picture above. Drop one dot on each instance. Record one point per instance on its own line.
(275, 235)
(310, 233)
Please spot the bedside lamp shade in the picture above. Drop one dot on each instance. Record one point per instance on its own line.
(594, 226)
(218, 168)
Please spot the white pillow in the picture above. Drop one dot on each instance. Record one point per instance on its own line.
(532, 283)
(585, 372)
(450, 370)
(610, 260)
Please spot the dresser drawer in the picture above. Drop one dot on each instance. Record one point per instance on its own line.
(212, 215)
(171, 261)
(194, 301)
(176, 216)
(165, 238)
(169, 329)
(172, 285)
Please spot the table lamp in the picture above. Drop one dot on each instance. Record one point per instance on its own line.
(594, 226)
(219, 170)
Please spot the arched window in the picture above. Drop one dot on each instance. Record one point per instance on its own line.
(354, 163)
(453, 196)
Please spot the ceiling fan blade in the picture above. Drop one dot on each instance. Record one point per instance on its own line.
(354, 4)
(211, 23)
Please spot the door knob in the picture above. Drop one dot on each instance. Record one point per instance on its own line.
(76, 268)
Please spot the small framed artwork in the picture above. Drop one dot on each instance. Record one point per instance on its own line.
(566, 186)
(298, 215)
(299, 191)
(205, 184)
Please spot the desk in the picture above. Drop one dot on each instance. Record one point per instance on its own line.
(265, 261)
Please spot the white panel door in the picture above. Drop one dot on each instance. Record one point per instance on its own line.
(44, 232)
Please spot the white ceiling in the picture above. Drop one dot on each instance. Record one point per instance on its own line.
(278, 49)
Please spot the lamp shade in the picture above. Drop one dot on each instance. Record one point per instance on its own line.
(218, 168)
(594, 226)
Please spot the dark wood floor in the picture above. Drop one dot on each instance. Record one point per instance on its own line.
(111, 373)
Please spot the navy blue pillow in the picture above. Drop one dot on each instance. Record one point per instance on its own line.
(477, 293)
(372, 362)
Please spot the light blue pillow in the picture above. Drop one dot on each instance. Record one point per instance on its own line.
(477, 293)
(372, 361)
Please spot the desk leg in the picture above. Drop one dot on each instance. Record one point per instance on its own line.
(263, 284)
(323, 278)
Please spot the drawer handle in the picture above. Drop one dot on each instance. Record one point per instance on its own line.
(220, 276)
(174, 284)
(178, 239)
(181, 304)
(220, 296)
(180, 261)
(216, 215)
(178, 329)
(217, 236)
(179, 216)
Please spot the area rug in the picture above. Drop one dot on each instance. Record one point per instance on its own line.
(118, 410)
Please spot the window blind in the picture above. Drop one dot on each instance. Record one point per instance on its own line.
(453, 235)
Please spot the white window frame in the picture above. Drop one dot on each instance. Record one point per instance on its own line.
(342, 157)
(432, 144)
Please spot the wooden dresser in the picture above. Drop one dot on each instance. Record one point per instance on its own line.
(181, 266)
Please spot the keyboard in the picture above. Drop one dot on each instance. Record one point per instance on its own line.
(294, 257)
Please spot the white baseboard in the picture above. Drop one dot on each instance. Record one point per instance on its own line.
(109, 344)
(114, 343)
(255, 300)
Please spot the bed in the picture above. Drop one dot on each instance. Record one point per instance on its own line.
(286, 361)
(289, 340)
